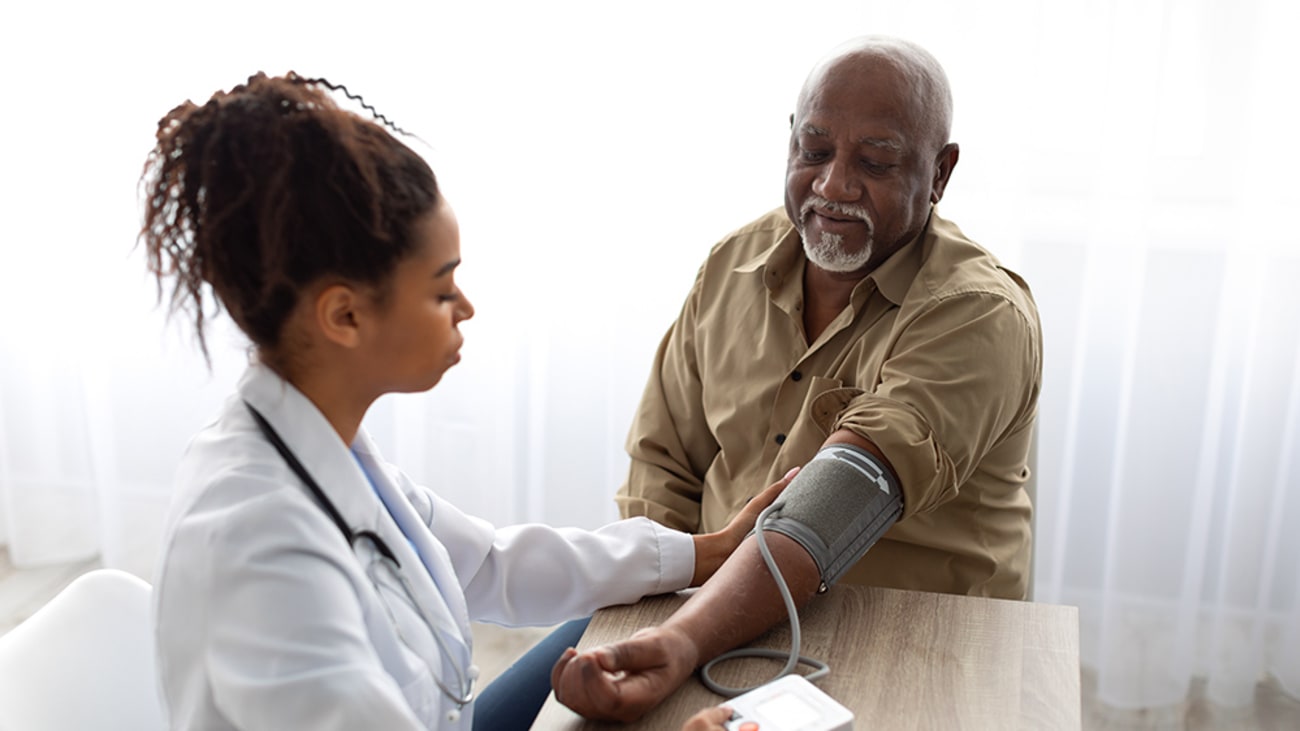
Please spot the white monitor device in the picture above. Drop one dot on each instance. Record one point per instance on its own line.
(789, 703)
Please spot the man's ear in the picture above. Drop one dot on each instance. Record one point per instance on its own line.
(336, 315)
(944, 162)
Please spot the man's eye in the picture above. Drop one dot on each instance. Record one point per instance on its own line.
(452, 297)
(812, 155)
(876, 168)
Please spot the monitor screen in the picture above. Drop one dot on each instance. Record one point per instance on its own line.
(788, 710)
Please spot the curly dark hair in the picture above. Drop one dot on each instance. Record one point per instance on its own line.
(269, 187)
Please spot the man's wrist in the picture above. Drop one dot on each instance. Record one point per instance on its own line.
(683, 648)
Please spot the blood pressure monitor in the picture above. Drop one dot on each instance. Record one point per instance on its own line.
(838, 505)
(789, 703)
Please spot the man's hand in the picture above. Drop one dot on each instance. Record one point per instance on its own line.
(712, 549)
(624, 680)
(620, 682)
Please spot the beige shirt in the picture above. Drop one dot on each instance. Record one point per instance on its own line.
(937, 360)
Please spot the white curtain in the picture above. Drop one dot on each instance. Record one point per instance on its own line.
(1134, 160)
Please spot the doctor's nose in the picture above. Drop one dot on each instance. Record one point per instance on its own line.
(464, 308)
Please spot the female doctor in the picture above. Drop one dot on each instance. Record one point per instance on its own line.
(305, 582)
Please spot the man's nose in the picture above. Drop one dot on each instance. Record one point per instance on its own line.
(837, 182)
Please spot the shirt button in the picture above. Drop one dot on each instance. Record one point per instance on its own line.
(780, 439)
(796, 376)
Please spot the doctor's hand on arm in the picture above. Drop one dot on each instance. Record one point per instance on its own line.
(712, 549)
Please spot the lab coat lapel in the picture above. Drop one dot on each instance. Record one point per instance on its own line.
(438, 583)
(330, 462)
(441, 607)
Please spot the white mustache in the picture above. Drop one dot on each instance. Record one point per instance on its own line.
(844, 209)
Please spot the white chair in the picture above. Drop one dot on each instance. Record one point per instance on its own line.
(84, 661)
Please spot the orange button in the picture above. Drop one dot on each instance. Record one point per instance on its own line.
(748, 726)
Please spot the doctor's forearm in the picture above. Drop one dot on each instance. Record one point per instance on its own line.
(741, 601)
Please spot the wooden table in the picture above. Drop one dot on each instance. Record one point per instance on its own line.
(899, 660)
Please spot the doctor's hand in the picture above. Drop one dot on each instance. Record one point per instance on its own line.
(710, 719)
(624, 680)
(712, 549)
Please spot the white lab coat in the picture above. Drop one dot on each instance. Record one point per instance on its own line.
(267, 619)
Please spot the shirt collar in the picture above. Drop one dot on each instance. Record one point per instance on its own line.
(783, 262)
(895, 276)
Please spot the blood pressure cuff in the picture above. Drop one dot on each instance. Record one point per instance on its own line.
(837, 507)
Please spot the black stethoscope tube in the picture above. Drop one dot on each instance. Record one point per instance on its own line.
(326, 503)
(460, 699)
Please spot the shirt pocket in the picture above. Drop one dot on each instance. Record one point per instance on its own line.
(811, 426)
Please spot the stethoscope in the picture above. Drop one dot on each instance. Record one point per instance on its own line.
(464, 681)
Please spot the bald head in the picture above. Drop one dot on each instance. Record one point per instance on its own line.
(918, 72)
(869, 153)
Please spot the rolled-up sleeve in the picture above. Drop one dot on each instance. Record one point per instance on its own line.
(961, 373)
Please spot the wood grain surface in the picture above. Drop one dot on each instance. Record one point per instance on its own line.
(899, 660)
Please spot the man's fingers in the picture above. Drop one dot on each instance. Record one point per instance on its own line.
(621, 681)
(632, 655)
(584, 686)
(557, 671)
(590, 690)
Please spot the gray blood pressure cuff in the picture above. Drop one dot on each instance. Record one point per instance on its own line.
(838, 505)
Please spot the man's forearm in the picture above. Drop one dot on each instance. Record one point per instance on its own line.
(742, 601)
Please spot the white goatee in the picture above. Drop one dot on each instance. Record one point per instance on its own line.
(828, 252)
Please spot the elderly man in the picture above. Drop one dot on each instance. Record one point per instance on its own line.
(854, 320)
